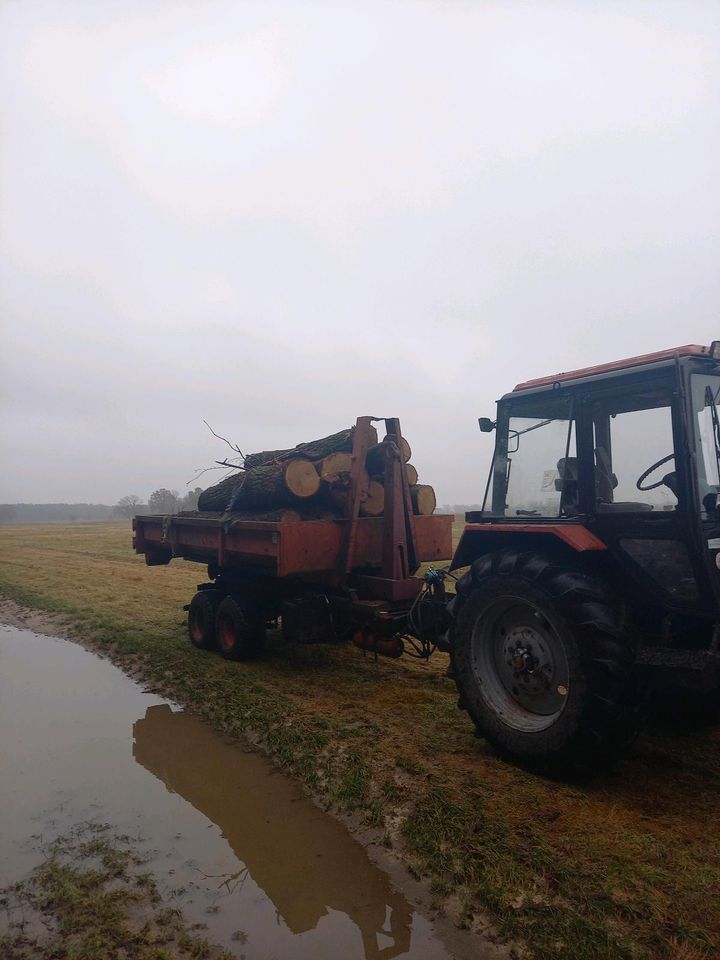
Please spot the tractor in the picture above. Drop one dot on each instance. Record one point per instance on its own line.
(591, 575)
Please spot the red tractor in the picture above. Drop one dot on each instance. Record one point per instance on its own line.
(593, 565)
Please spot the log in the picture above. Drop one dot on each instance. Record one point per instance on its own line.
(423, 499)
(253, 460)
(405, 449)
(411, 472)
(341, 442)
(335, 468)
(274, 516)
(412, 475)
(219, 496)
(374, 503)
(336, 499)
(375, 460)
(275, 485)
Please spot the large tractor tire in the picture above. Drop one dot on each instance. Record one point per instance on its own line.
(542, 662)
(240, 631)
(201, 619)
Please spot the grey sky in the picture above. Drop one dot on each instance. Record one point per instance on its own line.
(279, 216)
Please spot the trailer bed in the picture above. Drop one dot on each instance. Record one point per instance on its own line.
(281, 549)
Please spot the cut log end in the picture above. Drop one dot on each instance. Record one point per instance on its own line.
(405, 449)
(374, 503)
(302, 479)
(412, 474)
(336, 468)
(423, 499)
(376, 456)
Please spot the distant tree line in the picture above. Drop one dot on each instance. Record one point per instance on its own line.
(459, 509)
(55, 512)
(159, 501)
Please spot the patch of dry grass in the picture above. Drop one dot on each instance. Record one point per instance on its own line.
(628, 866)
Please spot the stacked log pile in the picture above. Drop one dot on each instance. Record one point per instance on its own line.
(311, 481)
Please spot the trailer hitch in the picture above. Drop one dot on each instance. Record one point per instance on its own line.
(427, 618)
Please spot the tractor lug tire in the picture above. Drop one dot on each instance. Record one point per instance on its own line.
(544, 664)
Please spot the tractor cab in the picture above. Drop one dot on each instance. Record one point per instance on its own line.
(593, 566)
(629, 450)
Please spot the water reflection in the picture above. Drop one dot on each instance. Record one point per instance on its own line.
(305, 861)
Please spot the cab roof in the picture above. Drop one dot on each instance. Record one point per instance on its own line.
(689, 350)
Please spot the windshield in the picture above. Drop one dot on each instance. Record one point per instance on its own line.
(535, 468)
(705, 398)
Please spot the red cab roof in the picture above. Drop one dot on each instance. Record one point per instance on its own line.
(690, 349)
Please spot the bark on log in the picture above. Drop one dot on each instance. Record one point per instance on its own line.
(275, 516)
(374, 504)
(219, 496)
(313, 450)
(423, 499)
(253, 460)
(277, 485)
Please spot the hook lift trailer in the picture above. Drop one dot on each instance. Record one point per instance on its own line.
(576, 596)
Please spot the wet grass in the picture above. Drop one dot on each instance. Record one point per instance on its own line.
(90, 898)
(627, 866)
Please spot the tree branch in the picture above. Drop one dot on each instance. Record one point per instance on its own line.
(221, 465)
(233, 446)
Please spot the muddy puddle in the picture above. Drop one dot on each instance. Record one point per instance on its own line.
(233, 842)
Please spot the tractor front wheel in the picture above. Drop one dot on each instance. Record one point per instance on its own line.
(542, 662)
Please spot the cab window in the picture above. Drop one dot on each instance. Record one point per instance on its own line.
(535, 467)
(634, 458)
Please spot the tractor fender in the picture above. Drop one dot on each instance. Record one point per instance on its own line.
(480, 538)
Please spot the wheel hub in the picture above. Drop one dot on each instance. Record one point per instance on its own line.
(522, 660)
(521, 664)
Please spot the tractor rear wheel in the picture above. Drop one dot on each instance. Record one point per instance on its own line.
(542, 661)
(240, 631)
(201, 619)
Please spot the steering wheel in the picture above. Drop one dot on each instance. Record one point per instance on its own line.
(658, 463)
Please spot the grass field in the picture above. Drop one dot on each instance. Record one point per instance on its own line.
(627, 866)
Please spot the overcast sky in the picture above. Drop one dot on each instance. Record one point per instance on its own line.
(278, 216)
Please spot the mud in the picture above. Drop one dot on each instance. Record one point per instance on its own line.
(233, 842)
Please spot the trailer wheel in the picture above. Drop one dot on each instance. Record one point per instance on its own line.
(543, 663)
(201, 619)
(240, 632)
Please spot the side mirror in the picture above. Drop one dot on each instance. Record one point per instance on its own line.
(486, 425)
